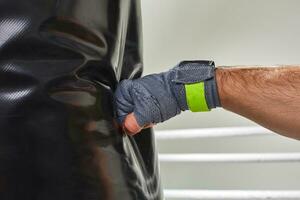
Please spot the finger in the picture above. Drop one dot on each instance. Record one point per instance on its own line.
(123, 100)
(130, 125)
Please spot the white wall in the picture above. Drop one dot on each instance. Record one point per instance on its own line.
(231, 32)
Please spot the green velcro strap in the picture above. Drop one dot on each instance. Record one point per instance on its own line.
(195, 96)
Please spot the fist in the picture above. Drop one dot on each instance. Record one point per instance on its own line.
(146, 101)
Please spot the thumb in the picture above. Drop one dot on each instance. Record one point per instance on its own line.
(130, 125)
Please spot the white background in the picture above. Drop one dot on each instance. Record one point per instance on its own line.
(230, 32)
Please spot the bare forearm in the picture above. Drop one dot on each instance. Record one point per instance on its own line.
(268, 96)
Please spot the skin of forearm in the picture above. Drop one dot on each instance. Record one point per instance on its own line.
(270, 96)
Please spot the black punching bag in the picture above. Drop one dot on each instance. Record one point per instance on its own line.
(60, 61)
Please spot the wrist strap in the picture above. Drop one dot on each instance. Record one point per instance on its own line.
(198, 79)
(195, 96)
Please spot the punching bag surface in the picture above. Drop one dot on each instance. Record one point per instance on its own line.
(60, 61)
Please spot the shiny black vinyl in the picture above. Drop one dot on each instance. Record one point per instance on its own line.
(60, 61)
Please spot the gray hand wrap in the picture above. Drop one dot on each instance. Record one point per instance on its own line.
(158, 97)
